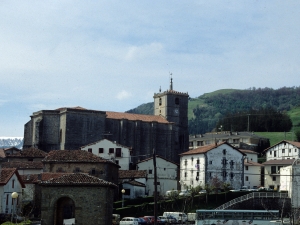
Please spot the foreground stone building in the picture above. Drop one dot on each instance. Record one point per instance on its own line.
(71, 128)
(87, 199)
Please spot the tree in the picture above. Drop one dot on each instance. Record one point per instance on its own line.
(216, 185)
(297, 135)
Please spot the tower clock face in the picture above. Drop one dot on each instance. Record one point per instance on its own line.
(176, 111)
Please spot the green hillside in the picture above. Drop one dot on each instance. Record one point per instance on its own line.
(276, 137)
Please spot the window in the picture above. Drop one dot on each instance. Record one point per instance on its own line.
(224, 161)
(30, 160)
(270, 152)
(93, 171)
(231, 175)
(274, 153)
(13, 184)
(111, 150)
(150, 171)
(7, 199)
(191, 144)
(77, 170)
(246, 178)
(290, 150)
(224, 174)
(210, 162)
(295, 150)
(273, 169)
(283, 150)
(159, 101)
(185, 174)
(185, 162)
(210, 174)
(199, 143)
(117, 162)
(198, 161)
(274, 178)
(118, 152)
(177, 101)
(89, 150)
(101, 150)
(224, 151)
(59, 169)
(246, 167)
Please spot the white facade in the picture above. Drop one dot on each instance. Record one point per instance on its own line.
(252, 174)
(7, 203)
(166, 175)
(199, 166)
(110, 150)
(135, 190)
(283, 150)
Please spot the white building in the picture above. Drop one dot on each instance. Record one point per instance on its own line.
(107, 149)
(283, 150)
(167, 174)
(223, 161)
(10, 181)
(252, 169)
(134, 189)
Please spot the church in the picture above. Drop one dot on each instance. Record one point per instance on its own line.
(71, 128)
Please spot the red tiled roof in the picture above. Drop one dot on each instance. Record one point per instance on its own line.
(77, 179)
(206, 148)
(131, 174)
(29, 152)
(74, 156)
(7, 173)
(279, 162)
(29, 178)
(23, 165)
(135, 183)
(48, 176)
(134, 117)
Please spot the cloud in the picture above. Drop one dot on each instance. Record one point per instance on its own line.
(123, 95)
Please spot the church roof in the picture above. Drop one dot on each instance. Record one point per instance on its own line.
(134, 117)
(77, 179)
(78, 156)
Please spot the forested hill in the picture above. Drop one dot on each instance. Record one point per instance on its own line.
(208, 109)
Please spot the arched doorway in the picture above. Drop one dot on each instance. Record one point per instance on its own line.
(65, 209)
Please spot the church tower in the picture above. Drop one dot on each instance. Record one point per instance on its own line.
(173, 105)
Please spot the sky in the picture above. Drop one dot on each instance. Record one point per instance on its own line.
(114, 55)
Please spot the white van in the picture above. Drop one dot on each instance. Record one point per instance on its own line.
(181, 217)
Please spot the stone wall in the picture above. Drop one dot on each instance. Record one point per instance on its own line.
(93, 205)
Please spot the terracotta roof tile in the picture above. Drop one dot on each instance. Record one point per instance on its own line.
(250, 163)
(248, 151)
(29, 152)
(77, 179)
(131, 174)
(135, 183)
(48, 176)
(206, 148)
(29, 178)
(23, 165)
(279, 162)
(74, 156)
(134, 117)
(6, 174)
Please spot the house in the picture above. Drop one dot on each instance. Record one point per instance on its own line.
(10, 181)
(133, 182)
(205, 164)
(8, 151)
(110, 150)
(272, 172)
(253, 171)
(283, 150)
(244, 140)
(78, 161)
(167, 174)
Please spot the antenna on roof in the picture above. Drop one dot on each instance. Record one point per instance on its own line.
(159, 88)
(171, 82)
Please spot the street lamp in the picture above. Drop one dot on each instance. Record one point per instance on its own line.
(14, 195)
(123, 192)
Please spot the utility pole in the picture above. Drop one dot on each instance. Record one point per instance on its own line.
(155, 186)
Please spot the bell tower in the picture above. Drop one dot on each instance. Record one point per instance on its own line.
(173, 105)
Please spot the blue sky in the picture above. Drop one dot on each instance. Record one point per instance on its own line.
(114, 55)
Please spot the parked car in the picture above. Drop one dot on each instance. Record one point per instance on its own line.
(143, 221)
(185, 193)
(168, 219)
(152, 219)
(202, 192)
(171, 193)
(180, 216)
(129, 221)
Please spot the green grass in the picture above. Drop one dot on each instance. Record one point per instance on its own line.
(276, 137)
(19, 223)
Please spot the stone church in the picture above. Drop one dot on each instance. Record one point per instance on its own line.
(70, 128)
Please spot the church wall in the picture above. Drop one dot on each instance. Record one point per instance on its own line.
(83, 127)
(27, 135)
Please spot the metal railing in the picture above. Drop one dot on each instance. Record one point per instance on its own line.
(253, 195)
